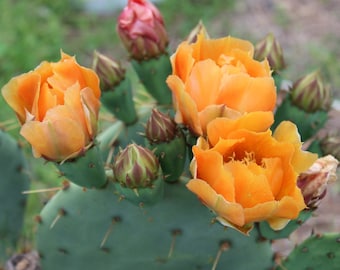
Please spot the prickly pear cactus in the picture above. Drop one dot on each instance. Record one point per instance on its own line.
(95, 229)
(128, 200)
(319, 251)
(14, 180)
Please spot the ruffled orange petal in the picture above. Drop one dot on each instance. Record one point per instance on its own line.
(91, 81)
(214, 174)
(260, 211)
(231, 212)
(250, 188)
(84, 76)
(286, 131)
(265, 146)
(74, 102)
(259, 143)
(254, 68)
(274, 173)
(277, 213)
(212, 112)
(203, 83)
(246, 94)
(182, 61)
(214, 48)
(44, 70)
(291, 205)
(227, 148)
(55, 140)
(186, 109)
(288, 208)
(22, 93)
(46, 101)
(254, 121)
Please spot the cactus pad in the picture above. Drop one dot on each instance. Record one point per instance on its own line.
(95, 229)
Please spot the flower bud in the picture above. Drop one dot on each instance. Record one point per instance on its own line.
(310, 94)
(136, 167)
(271, 49)
(168, 144)
(141, 29)
(160, 127)
(109, 72)
(330, 144)
(313, 182)
(199, 28)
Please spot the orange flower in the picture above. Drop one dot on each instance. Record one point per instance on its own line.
(212, 74)
(246, 176)
(57, 105)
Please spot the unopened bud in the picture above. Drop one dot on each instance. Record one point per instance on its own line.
(160, 127)
(313, 182)
(271, 49)
(136, 167)
(109, 72)
(168, 144)
(310, 94)
(142, 31)
(199, 28)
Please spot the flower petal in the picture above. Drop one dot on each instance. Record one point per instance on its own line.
(188, 113)
(182, 61)
(232, 212)
(286, 131)
(67, 72)
(214, 48)
(203, 83)
(91, 107)
(215, 175)
(251, 188)
(260, 211)
(21, 93)
(247, 94)
(253, 67)
(223, 126)
(54, 140)
(212, 112)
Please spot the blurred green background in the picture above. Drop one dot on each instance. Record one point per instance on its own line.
(36, 30)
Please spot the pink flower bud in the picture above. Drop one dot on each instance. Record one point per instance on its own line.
(141, 29)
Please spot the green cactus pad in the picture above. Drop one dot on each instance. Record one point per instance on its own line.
(147, 195)
(119, 101)
(320, 251)
(13, 180)
(153, 74)
(95, 229)
(86, 171)
(171, 156)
